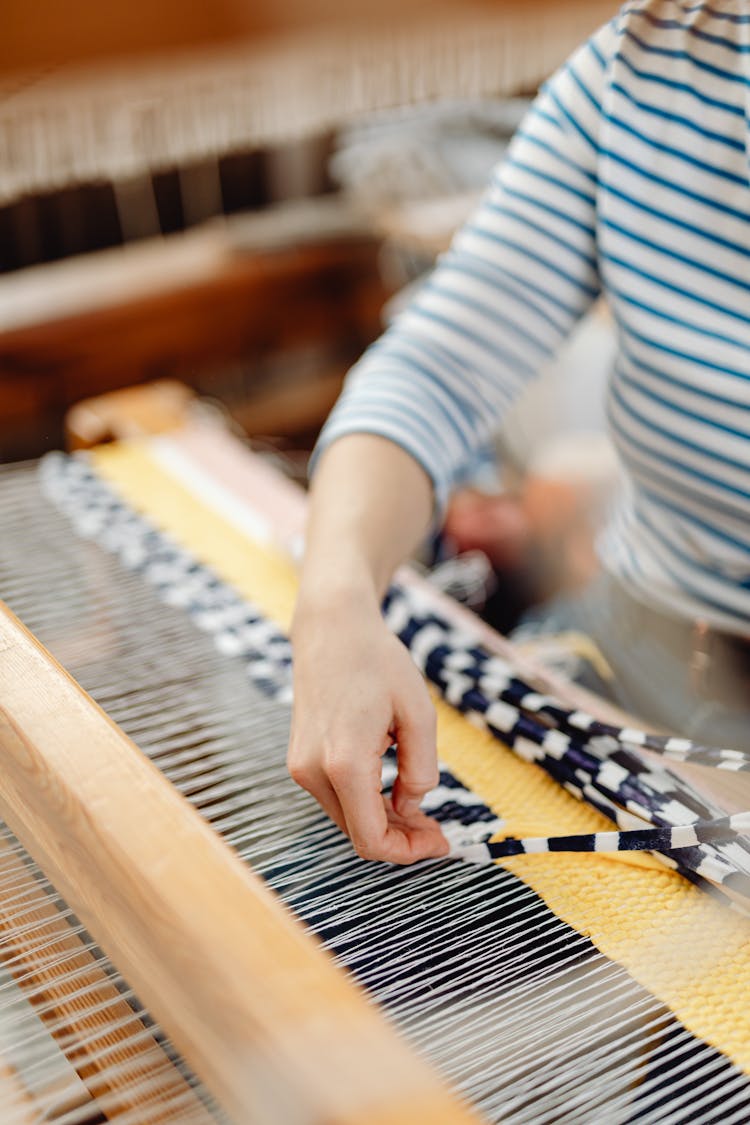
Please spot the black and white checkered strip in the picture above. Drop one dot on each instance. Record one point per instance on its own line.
(498, 676)
(637, 840)
(238, 628)
(594, 767)
(676, 749)
(598, 769)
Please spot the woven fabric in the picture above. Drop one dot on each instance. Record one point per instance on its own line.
(649, 919)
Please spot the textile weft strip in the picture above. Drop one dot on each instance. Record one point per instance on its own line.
(237, 627)
(595, 762)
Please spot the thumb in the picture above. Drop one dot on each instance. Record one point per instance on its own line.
(415, 730)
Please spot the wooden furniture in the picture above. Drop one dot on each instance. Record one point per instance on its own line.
(148, 94)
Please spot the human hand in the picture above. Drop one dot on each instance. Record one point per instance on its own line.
(356, 691)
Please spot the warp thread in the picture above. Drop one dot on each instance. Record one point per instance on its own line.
(594, 761)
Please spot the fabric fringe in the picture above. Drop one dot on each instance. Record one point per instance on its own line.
(121, 122)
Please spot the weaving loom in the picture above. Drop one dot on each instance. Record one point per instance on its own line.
(560, 986)
(171, 92)
(125, 122)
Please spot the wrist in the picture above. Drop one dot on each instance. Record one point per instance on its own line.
(339, 593)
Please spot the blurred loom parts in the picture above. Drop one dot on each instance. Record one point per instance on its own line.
(66, 121)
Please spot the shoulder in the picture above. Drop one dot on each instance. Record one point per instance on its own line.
(678, 55)
(680, 31)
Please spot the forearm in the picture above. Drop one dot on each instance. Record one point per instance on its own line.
(371, 503)
(356, 690)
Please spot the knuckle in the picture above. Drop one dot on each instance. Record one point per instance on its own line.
(300, 771)
(412, 787)
(416, 786)
(365, 850)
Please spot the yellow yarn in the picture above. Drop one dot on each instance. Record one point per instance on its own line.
(263, 576)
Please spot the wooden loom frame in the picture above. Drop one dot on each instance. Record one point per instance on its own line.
(258, 1010)
(59, 782)
(82, 780)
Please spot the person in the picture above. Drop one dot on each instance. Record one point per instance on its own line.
(630, 177)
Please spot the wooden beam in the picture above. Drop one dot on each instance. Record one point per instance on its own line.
(189, 306)
(153, 408)
(108, 1046)
(242, 305)
(259, 1011)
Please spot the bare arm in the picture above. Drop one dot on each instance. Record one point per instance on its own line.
(520, 273)
(356, 689)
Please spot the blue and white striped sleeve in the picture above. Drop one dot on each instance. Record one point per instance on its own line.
(518, 276)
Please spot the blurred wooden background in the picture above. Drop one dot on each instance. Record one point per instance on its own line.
(134, 137)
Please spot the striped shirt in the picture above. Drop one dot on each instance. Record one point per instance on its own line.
(630, 176)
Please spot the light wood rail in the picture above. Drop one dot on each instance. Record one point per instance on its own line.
(93, 1023)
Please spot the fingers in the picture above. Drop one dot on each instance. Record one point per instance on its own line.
(337, 745)
(418, 836)
(415, 731)
(379, 833)
(356, 783)
(347, 785)
(317, 784)
(376, 829)
(352, 798)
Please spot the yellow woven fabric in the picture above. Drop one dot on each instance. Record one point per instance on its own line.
(690, 952)
(261, 575)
